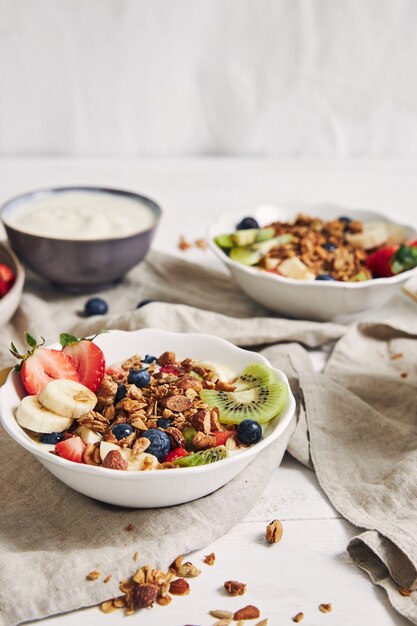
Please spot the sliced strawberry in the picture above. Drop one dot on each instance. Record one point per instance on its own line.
(379, 262)
(170, 369)
(223, 436)
(4, 287)
(177, 453)
(71, 449)
(88, 359)
(6, 273)
(41, 365)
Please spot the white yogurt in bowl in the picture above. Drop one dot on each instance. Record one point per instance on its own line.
(81, 215)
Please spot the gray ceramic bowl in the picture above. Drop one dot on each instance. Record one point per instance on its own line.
(79, 266)
(10, 302)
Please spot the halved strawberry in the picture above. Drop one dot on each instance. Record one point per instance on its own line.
(6, 273)
(4, 287)
(88, 359)
(177, 453)
(379, 262)
(71, 449)
(41, 365)
(170, 369)
(223, 436)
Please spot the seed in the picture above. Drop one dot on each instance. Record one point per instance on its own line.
(221, 614)
(297, 618)
(93, 575)
(325, 608)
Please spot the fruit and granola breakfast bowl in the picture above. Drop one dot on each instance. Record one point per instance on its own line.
(12, 278)
(317, 262)
(145, 418)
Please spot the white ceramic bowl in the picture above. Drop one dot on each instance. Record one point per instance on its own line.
(10, 302)
(160, 487)
(316, 300)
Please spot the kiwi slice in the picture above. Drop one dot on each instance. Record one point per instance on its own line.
(203, 457)
(265, 233)
(245, 237)
(255, 375)
(259, 403)
(245, 255)
(224, 241)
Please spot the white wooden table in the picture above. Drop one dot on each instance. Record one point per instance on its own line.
(310, 565)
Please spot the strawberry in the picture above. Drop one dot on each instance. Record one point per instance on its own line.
(177, 453)
(71, 449)
(4, 287)
(379, 262)
(88, 359)
(6, 273)
(170, 369)
(223, 436)
(41, 365)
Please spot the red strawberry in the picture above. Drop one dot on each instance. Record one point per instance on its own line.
(88, 360)
(41, 365)
(379, 262)
(71, 449)
(170, 369)
(177, 453)
(223, 436)
(4, 287)
(6, 273)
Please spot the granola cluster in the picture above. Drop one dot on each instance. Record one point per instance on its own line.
(322, 246)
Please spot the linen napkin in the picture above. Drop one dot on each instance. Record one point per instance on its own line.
(50, 536)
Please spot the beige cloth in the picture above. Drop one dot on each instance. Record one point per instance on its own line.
(356, 426)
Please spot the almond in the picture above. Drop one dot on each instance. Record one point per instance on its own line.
(297, 618)
(177, 404)
(115, 460)
(179, 587)
(167, 358)
(189, 382)
(176, 437)
(248, 612)
(201, 421)
(144, 595)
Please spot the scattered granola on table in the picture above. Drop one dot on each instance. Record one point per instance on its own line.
(235, 588)
(209, 559)
(273, 531)
(298, 617)
(325, 608)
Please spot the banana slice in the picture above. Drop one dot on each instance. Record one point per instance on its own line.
(87, 435)
(32, 415)
(67, 398)
(295, 268)
(374, 234)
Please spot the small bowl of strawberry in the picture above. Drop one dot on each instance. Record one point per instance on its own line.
(12, 277)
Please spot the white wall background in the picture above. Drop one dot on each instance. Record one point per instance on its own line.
(242, 77)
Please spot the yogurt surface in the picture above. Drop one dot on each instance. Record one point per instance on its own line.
(85, 215)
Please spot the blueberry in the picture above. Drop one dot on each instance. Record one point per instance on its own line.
(143, 303)
(249, 432)
(51, 438)
(163, 422)
(120, 393)
(140, 378)
(346, 221)
(246, 223)
(160, 443)
(149, 359)
(95, 306)
(324, 277)
(329, 246)
(120, 431)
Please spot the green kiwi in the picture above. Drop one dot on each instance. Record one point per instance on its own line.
(203, 457)
(245, 255)
(259, 403)
(255, 375)
(224, 241)
(245, 237)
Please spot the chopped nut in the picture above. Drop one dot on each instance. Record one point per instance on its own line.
(141, 444)
(176, 437)
(248, 612)
(297, 618)
(176, 564)
(223, 386)
(178, 404)
(139, 423)
(108, 607)
(106, 393)
(167, 358)
(273, 531)
(231, 443)
(210, 558)
(202, 421)
(130, 527)
(214, 420)
(119, 602)
(91, 455)
(183, 244)
(144, 595)
(189, 382)
(164, 600)
(325, 608)
(201, 441)
(235, 588)
(404, 591)
(115, 460)
(179, 587)
(396, 356)
(201, 243)
(263, 622)
(221, 614)
(136, 556)
(188, 570)
(93, 575)
(404, 374)
(107, 579)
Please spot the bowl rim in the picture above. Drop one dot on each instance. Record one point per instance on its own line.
(45, 191)
(270, 277)
(11, 426)
(20, 274)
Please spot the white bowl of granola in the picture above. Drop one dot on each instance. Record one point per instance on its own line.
(332, 282)
(167, 484)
